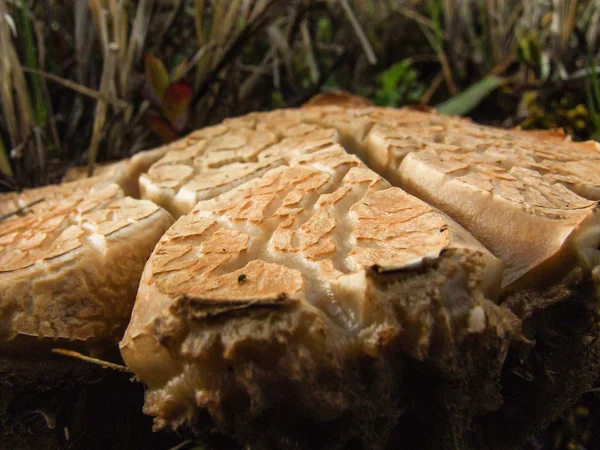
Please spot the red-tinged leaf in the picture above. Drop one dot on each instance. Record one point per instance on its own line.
(161, 127)
(176, 100)
(156, 75)
(180, 122)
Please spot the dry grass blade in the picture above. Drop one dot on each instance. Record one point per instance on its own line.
(435, 84)
(83, 39)
(199, 22)
(284, 50)
(360, 34)
(218, 12)
(81, 11)
(99, 362)
(84, 90)
(269, 64)
(224, 20)
(276, 75)
(429, 29)
(108, 72)
(259, 8)
(256, 73)
(439, 50)
(6, 92)
(176, 6)
(198, 56)
(414, 15)
(101, 109)
(224, 26)
(502, 23)
(310, 54)
(136, 43)
(116, 9)
(450, 12)
(17, 109)
(205, 76)
(227, 27)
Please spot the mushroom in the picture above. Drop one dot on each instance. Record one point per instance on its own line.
(69, 269)
(275, 293)
(512, 190)
(125, 173)
(337, 273)
(305, 274)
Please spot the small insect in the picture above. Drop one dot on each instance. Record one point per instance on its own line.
(242, 279)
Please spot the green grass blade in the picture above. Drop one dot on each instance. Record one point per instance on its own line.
(593, 77)
(593, 100)
(467, 100)
(41, 113)
(435, 14)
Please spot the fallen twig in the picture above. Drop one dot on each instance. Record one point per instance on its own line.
(21, 209)
(100, 362)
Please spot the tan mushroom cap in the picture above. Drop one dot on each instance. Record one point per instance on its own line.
(70, 269)
(214, 160)
(125, 173)
(292, 258)
(42, 199)
(511, 189)
(9, 203)
(523, 195)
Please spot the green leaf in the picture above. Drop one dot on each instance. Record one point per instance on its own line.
(390, 78)
(396, 83)
(529, 50)
(157, 75)
(324, 29)
(277, 99)
(467, 100)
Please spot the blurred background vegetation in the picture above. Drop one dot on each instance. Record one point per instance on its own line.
(86, 81)
(97, 80)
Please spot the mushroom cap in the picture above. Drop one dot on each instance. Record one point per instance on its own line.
(125, 173)
(314, 258)
(69, 269)
(321, 258)
(523, 195)
(307, 232)
(294, 261)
